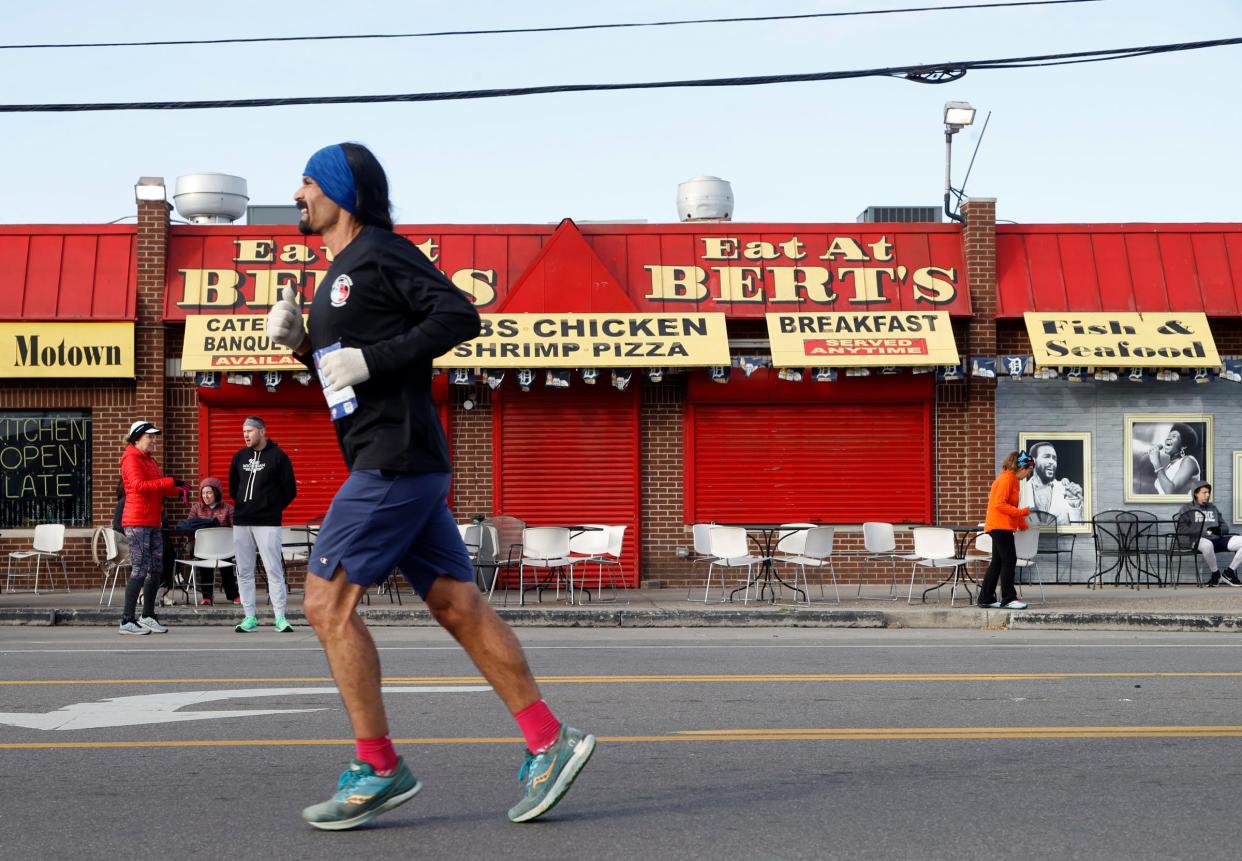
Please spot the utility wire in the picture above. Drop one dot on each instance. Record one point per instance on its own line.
(562, 29)
(923, 73)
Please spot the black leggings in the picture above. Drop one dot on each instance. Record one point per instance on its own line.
(1004, 561)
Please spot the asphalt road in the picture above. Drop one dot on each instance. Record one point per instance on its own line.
(714, 743)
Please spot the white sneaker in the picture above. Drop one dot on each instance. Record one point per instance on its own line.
(152, 625)
(1016, 605)
(131, 628)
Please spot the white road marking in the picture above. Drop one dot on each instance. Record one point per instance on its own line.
(163, 708)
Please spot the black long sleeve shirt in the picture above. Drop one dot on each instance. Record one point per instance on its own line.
(384, 296)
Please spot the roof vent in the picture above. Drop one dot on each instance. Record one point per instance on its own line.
(899, 214)
(211, 198)
(705, 198)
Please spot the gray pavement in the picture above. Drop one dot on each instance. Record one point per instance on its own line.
(740, 742)
(1186, 608)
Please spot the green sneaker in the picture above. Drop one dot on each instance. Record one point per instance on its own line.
(547, 776)
(283, 626)
(248, 625)
(361, 795)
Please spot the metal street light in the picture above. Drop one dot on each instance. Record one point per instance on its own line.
(957, 115)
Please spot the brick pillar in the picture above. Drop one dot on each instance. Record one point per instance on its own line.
(966, 411)
(153, 220)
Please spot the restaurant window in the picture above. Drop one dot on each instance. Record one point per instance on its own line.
(45, 468)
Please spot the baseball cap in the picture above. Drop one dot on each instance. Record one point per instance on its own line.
(139, 428)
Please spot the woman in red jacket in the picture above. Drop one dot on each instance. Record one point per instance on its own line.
(145, 489)
(1003, 520)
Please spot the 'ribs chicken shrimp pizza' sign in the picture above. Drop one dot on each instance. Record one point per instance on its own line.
(1167, 339)
(594, 340)
(862, 339)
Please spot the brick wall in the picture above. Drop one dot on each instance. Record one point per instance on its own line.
(965, 410)
(471, 443)
(661, 454)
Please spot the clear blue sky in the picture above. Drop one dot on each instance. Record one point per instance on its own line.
(1152, 139)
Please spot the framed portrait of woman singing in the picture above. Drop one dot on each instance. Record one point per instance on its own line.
(1166, 456)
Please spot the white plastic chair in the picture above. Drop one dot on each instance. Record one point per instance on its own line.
(116, 546)
(817, 553)
(937, 549)
(545, 547)
(791, 538)
(880, 543)
(729, 549)
(700, 533)
(1026, 546)
(601, 546)
(49, 540)
(212, 547)
(295, 543)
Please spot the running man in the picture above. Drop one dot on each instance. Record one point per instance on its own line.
(383, 314)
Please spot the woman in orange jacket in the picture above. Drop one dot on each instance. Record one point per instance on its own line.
(1003, 520)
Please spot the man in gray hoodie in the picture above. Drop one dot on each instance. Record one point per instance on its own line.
(1216, 537)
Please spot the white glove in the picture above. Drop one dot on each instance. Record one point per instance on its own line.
(284, 321)
(344, 367)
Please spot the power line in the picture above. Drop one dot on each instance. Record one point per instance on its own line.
(923, 73)
(561, 29)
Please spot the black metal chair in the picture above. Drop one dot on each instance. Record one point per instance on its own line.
(1146, 545)
(1055, 543)
(1113, 532)
(1183, 543)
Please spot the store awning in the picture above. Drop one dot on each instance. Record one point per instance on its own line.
(1119, 267)
(79, 273)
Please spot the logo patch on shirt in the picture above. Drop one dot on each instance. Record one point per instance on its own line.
(339, 294)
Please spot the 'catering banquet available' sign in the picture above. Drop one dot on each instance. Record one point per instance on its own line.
(1167, 339)
(66, 350)
(593, 340)
(856, 340)
(233, 343)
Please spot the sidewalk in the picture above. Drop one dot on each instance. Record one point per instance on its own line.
(1186, 608)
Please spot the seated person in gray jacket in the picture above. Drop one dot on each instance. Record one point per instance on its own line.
(1216, 537)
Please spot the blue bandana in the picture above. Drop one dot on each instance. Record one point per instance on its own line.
(329, 168)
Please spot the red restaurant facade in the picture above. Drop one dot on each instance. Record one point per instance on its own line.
(629, 374)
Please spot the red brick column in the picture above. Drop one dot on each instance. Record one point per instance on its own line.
(966, 411)
(152, 255)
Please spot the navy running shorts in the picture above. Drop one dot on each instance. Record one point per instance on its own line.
(380, 520)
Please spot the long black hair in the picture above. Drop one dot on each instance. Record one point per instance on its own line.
(372, 206)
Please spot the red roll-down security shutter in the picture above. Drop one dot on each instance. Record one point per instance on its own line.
(569, 457)
(833, 462)
(304, 433)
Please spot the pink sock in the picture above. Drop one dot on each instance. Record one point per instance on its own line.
(377, 753)
(538, 725)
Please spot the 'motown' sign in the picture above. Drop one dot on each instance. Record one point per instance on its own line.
(66, 350)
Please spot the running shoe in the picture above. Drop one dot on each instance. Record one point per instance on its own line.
(247, 625)
(547, 776)
(361, 795)
(283, 626)
(131, 628)
(1017, 605)
(152, 624)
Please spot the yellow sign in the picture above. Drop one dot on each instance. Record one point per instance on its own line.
(1122, 340)
(860, 340)
(594, 340)
(66, 350)
(233, 343)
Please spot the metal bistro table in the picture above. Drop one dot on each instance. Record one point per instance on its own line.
(766, 541)
(962, 532)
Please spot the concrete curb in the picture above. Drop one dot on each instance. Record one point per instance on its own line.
(963, 618)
